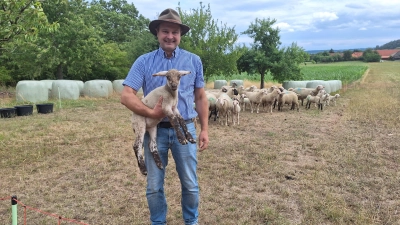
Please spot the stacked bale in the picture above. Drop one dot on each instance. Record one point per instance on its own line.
(98, 88)
(65, 89)
(32, 91)
(117, 86)
(219, 83)
(294, 84)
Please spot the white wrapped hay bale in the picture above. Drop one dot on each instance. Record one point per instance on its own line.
(98, 88)
(237, 82)
(219, 83)
(80, 86)
(49, 84)
(31, 91)
(65, 89)
(334, 85)
(117, 86)
(295, 84)
(315, 83)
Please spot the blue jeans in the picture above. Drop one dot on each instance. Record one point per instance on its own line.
(185, 157)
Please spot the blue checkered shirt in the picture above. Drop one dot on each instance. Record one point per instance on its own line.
(140, 76)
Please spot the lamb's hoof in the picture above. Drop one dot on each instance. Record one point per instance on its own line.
(142, 168)
(191, 140)
(183, 141)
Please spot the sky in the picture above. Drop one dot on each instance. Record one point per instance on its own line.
(311, 24)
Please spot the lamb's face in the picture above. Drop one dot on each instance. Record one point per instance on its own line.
(173, 81)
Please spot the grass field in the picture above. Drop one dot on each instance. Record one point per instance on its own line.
(338, 166)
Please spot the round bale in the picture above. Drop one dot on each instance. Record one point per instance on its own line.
(98, 88)
(219, 83)
(294, 84)
(65, 89)
(32, 91)
(117, 86)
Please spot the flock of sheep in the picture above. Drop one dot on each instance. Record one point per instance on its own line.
(229, 101)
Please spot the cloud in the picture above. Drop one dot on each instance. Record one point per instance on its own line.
(325, 16)
(362, 28)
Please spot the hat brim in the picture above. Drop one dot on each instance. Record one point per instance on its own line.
(154, 24)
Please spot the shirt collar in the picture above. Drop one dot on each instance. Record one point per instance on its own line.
(163, 54)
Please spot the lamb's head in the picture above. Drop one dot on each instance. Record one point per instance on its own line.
(173, 77)
(337, 96)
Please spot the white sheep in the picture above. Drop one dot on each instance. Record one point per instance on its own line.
(244, 101)
(302, 93)
(332, 98)
(224, 106)
(313, 99)
(235, 111)
(255, 99)
(288, 97)
(141, 124)
(212, 107)
(269, 99)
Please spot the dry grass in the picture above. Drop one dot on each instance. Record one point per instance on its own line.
(339, 166)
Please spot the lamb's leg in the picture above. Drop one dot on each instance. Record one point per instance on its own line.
(153, 146)
(176, 125)
(139, 129)
(188, 135)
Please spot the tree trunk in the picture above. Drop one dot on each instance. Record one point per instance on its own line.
(262, 80)
(59, 74)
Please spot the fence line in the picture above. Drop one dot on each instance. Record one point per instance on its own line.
(60, 218)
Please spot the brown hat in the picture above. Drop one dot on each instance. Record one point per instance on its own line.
(168, 15)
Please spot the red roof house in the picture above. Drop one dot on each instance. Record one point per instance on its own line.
(387, 53)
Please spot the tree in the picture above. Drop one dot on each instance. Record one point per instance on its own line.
(347, 55)
(288, 67)
(22, 19)
(75, 47)
(264, 53)
(370, 55)
(211, 40)
(331, 51)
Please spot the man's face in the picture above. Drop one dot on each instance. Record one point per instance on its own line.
(169, 36)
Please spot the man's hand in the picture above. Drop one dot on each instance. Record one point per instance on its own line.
(203, 140)
(158, 112)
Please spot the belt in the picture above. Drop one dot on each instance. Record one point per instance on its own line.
(169, 125)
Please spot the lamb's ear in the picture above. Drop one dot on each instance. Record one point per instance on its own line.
(184, 72)
(161, 73)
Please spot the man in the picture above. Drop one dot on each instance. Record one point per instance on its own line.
(168, 29)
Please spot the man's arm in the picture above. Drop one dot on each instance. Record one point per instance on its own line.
(133, 103)
(200, 99)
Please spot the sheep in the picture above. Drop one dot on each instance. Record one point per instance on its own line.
(332, 98)
(212, 99)
(313, 99)
(288, 97)
(235, 111)
(244, 101)
(269, 99)
(255, 99)
(231, 92)
(224, 106)
(141, 124)
(304, 92)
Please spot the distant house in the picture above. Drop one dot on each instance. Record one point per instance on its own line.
(387, 53)
(357, 55)
(396, 56)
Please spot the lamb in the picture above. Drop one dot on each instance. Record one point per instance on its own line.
(332, 98)
(304, 92)
(224, 106)
(235, 111)
(244, 101)
(288, 97)
(141, 124)
(255, 99)
(313, 99)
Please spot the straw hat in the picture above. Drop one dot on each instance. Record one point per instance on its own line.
(168, 15)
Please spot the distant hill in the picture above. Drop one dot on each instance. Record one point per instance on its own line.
(390, 45)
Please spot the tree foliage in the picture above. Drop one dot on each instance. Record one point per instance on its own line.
(264, 53)
(22, 19)
(211, 40)
(287, 68)
(370, 55)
